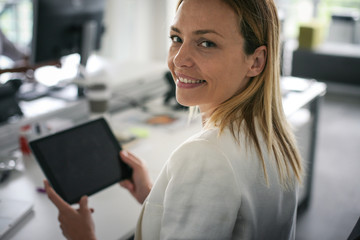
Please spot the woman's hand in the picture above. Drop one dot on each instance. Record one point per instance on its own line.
(74, 223)
(140, 185)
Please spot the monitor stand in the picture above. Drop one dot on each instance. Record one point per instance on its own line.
(87, 47)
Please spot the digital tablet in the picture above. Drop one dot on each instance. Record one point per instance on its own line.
(81, 160)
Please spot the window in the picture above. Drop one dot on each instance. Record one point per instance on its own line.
(16, 21)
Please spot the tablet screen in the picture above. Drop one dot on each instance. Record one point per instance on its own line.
(81, 160)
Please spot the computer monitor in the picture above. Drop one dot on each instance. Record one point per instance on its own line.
(63, 27)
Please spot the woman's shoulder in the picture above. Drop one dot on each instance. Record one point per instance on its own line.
(211, 136)
(201, 142)
(203, 146)
(199, 156)
(223, 140)
(208, 147)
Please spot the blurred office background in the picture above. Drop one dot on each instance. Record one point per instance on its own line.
(320, 40)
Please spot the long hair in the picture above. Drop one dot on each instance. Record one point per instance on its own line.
(261, 102)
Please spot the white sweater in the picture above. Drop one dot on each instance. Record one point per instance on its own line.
(214, 188)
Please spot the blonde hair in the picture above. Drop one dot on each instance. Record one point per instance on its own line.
(261, 99)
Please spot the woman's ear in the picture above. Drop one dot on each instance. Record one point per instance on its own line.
(258, 61)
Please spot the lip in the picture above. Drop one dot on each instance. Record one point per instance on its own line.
(180, 84)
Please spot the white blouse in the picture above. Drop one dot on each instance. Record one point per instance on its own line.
(213, 188)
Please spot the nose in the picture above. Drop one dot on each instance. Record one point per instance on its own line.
(183, 56)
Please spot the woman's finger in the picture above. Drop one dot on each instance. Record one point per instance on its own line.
(90, 209)
(83, 204)
(55, 198)
(127, 184)
(130, 159)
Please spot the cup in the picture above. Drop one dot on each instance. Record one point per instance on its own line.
(98, 96)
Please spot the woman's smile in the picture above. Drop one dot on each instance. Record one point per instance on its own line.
(183, 81)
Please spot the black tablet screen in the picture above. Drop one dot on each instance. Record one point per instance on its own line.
(80, 161)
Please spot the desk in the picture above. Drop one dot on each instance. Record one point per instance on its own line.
(116, 212)
(333, 62)
(302, 110)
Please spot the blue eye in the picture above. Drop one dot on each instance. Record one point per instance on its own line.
(207, 44)
(175, 39)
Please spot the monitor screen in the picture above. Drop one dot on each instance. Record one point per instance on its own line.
(60, 28)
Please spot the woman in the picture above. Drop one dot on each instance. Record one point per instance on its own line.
(238, 177)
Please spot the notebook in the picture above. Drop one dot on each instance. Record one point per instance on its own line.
(11, 213)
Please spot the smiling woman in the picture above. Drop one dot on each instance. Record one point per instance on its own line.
(224, 54)
(238, 177)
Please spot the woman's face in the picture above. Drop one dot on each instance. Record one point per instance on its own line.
(206, 56)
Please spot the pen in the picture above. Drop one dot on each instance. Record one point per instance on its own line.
(40, 190)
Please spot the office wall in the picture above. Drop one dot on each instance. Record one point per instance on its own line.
(137, 30)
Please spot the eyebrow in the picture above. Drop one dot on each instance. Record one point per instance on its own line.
(198, 32)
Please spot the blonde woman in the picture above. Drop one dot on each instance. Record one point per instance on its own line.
(238, 177)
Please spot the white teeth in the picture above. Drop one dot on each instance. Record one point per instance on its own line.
(184, 80)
